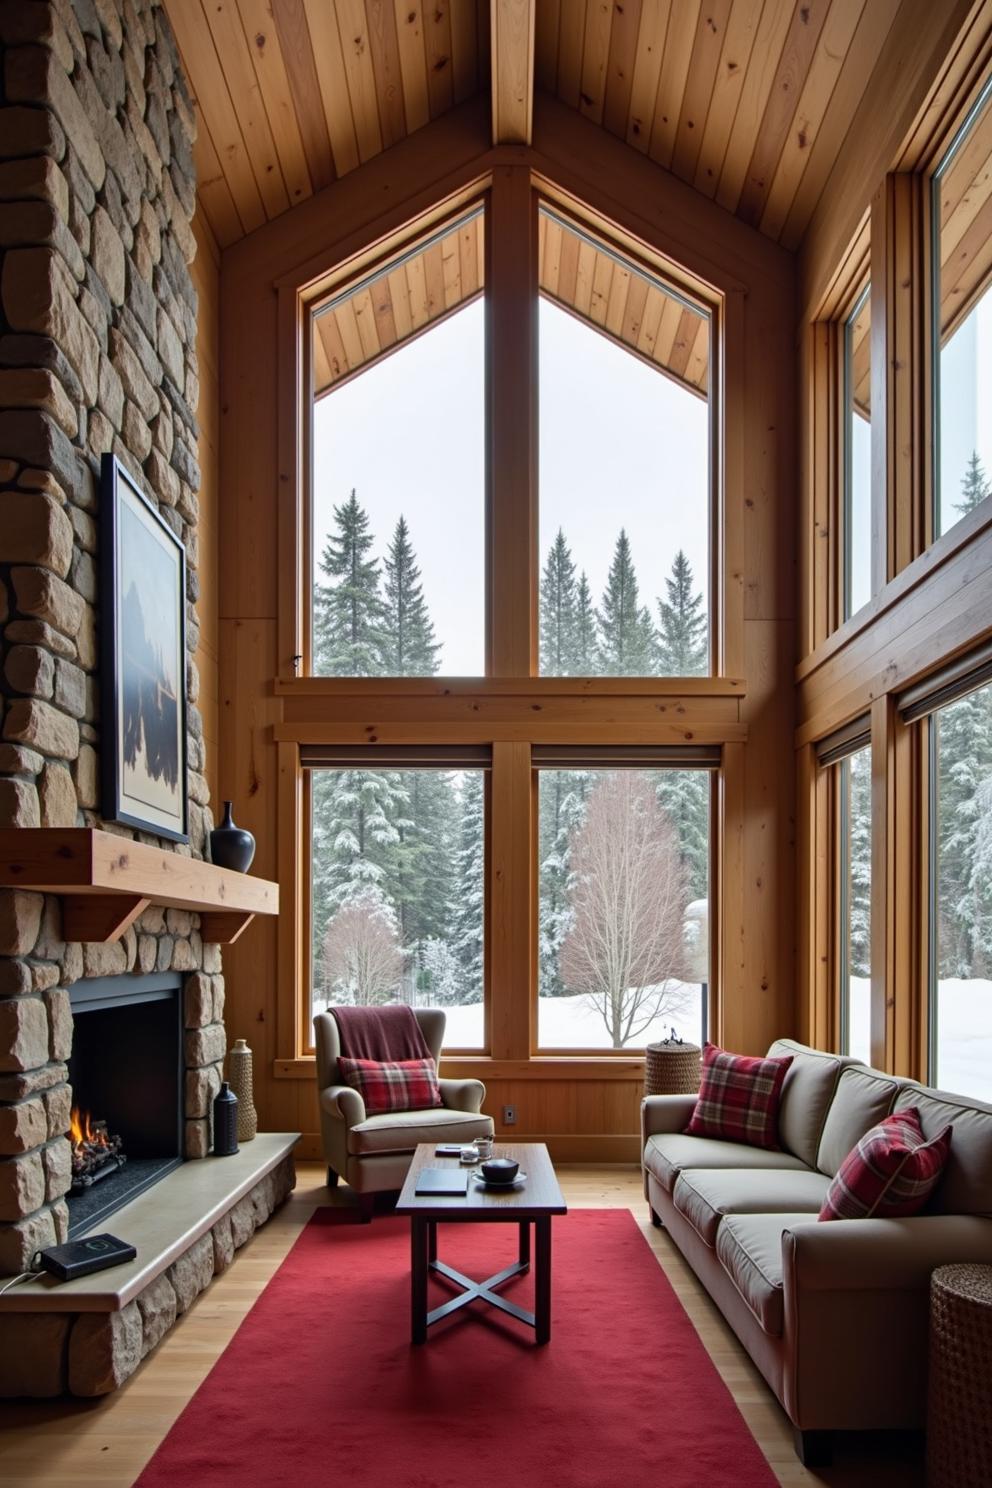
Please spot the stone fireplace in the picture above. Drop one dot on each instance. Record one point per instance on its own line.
(98, 353)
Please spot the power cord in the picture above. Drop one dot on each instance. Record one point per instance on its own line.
(24, 1275)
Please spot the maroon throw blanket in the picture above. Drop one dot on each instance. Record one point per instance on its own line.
(384, 1033)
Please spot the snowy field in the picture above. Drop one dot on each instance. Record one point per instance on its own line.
(570, 1023)
(964, 1033)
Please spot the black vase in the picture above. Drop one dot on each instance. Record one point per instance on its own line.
(231, 846)
(225, 1122)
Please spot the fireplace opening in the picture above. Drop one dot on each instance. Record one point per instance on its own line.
(126, 1073)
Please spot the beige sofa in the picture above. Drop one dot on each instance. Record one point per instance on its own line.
(834, 1315)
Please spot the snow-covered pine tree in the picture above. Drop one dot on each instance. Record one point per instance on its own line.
(974, 487)
(558, 612)
(410, 647)
(859, 891)
(964, 763)
(469, 910)
(347, 609)
(685, 796)
(586, 650)
(357, 819)
(561, 807)
(683, 649)
(422, 879)
(626, 634)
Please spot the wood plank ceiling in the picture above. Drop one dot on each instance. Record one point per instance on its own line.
(291, 94)
(431, 282)
(747, 100)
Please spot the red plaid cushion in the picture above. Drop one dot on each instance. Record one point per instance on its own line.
(407, 1085)
(891, 1172)
(738, 1098)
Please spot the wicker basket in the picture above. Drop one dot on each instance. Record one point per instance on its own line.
(671, 1069)
(959, 1415)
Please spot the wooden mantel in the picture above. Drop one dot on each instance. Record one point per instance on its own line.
(106, 881)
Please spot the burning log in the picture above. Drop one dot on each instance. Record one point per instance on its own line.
(95, 1154)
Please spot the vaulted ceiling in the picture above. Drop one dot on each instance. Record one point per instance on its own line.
(747, 100)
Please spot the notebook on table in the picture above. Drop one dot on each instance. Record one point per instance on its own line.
(435, 1181)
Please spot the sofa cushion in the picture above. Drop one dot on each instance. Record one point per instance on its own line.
(891, 1173)
(966, 1185)
(400, 1131)
(863, 1097)
(750, 1249)
(739, 1098)
(809, 1088)
(705, 1195)
(668, 1153)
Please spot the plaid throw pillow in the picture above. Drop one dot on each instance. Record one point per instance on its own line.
(407, 1085)
(739, 1098)
(890, 1173)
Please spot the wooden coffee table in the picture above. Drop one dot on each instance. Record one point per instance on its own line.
(533, 1203)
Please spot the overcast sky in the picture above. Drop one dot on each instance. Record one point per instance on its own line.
(620, 446)
(965, 404)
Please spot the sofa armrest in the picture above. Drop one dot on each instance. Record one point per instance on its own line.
(343, 1101)
(463, 1095)
(851, 1255)
(665, 1113)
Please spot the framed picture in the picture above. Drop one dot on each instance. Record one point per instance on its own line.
(143, 643)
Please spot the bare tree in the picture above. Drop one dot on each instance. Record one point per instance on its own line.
(362, 961)
(624, 946)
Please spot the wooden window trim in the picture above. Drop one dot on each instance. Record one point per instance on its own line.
(511, 708)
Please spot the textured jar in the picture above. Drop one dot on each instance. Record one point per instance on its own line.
(225, 1122)
(240, 1079)
(230, 845)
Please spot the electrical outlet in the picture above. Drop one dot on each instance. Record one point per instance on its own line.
(509, 1115)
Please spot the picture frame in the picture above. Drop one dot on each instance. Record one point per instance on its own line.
(143, 658)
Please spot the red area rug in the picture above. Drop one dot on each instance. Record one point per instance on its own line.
(321, 1385)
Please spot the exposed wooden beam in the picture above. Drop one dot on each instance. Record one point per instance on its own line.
(512, 28)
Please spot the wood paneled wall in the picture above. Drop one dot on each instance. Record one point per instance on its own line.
(932, 600)
(206, 280)
(585, 1108)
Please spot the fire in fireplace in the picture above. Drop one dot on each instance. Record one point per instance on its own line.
(126, 1074)
(95, 1153)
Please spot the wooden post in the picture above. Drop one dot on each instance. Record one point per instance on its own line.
(511, 396)
(899, 480)
(513, 949)
(898, 889)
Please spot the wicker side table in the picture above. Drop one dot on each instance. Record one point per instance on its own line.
(671, 1068)
(959, 1408)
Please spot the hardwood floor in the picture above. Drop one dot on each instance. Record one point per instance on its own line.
(105, 1443)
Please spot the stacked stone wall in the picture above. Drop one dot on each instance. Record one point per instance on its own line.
(97, 354)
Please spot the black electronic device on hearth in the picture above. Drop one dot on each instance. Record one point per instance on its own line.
(80, 1257)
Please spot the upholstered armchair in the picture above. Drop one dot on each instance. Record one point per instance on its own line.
(373, 1153)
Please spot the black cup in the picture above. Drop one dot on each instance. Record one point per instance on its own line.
(500, 1171)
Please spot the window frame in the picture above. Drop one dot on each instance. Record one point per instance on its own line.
(366, 757)
(950, 144)
(655, 758)
(861, 298)
(511, 707)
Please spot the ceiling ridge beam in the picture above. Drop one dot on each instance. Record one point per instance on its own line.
(512, 34)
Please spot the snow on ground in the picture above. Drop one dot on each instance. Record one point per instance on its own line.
(964, 1033)
(571, 1023)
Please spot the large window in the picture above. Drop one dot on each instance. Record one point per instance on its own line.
(398, 471)
(623, 905)
(398, 892)
(624, 466)
(857, 455)
(961, 922)
(962, 220)
(855, 904)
